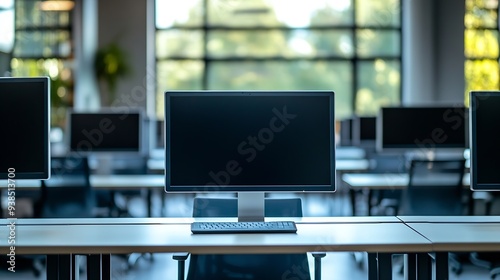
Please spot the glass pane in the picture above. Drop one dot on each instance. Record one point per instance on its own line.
(372, 43)
(481, 75)
(185, 74)
(42, 44)
(274, 75)
(481, 44)
(7, 34)
(279, 13)
(180, 43)
(28, 15)
(6, 4)
(178, 13)
(379, 84)
(481, 13)
(378, 13)
(270, 43)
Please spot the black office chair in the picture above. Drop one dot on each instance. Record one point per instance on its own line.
(232, 266)
(386, 202)
(67, 194)
(435, 188)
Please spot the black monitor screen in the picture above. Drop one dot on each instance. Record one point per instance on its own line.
(485, 132)
(105, 132)
(425, 128)
(364, 129)
(346, 132)
(25, 115)
(249, 141)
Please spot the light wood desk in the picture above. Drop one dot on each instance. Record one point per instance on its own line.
(99, 239)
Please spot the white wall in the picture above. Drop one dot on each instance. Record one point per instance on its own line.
(125, 22)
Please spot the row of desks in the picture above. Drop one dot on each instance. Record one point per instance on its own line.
(61, 239)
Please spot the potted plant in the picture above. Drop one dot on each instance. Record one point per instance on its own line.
(110, 65)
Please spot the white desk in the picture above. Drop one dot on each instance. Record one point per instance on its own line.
(347, 164)
(457, 234)
(96, 237)
(108, 182)
(383, 181)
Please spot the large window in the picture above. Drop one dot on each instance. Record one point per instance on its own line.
(43, 47)
(350, 46)
(481, 46)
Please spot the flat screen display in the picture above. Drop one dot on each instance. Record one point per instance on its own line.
(249, 141)
(25, 115)
(105, 132)
(485, 132)
(364, 130)
(424, 128)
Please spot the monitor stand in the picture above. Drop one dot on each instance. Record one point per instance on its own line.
(251, 206)
(104, 164)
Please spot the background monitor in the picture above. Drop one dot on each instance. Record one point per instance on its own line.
(421, 128)
(251, 141)
(105, 132)
(484, 140)
(364, 131)
(345, 132)
(25, 115)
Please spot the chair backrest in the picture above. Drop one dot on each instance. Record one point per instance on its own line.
(435, 188)
(228, 207)
(68, 192)
(255, 266)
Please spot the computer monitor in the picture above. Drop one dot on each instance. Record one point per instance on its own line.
(249, 142)
(25, 115)
(106, 136)
(421, 129)
(364, 131)
(484, 136)
(345, 132)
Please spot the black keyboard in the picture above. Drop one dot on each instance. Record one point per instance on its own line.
(244, 227)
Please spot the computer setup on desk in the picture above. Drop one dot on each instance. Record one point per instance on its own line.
(249, 142)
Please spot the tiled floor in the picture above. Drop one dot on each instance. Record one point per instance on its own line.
(335, 265)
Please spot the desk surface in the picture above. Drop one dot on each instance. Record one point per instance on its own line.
(466, 237)
(183, 220)
(383, 180)
(450, 219)
(104, 182)
(177, 237)
(347, 164)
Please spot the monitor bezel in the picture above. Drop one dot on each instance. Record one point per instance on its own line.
(249, 188)
(45, 173)
(142, 151)
(473, 96)
(380, 147)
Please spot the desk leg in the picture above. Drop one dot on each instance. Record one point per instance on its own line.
(424, 266)
(99, 266)
(441, 266)
(352, 196)
(410, 265)
(150, 202)
(384, 266)
(106, 266)
(59, 267)
(369, 203)
(372, 266)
